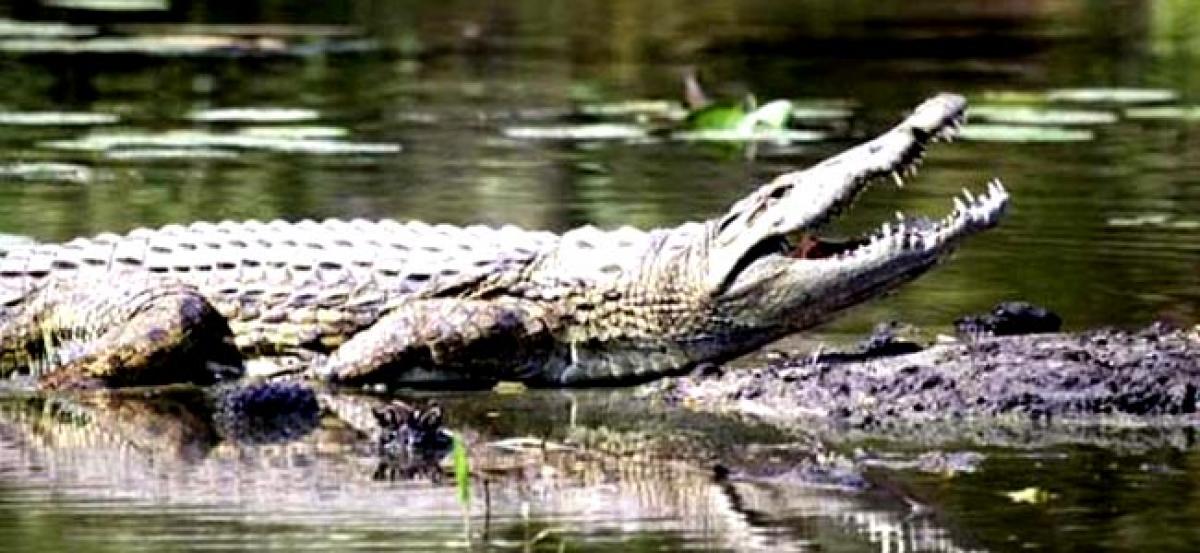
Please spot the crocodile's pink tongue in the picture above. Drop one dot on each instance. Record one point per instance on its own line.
(815, 247)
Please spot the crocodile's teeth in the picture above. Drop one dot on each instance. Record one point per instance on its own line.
(900, 216)
(969, 196)
(995, 187)
(959, 206)
(899, 181)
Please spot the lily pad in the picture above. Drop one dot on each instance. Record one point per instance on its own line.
(1183, 113)
(1031, 495)
(46, 171)
(1027, 115)
(1014, 97)
(110, 5)
(44, 29)
(294, 132)
(1024, 133)
(721, 117)
(820, 113)
(56, 118)
(99, 142)
(151, 154)
(661, 108)
(599, 131)
(1146, 219)
(1112, 95)
(254, 114)
(777, 136)
(716, 116)
(1154, 220)
(169, 46)
(772, 115)
(277, 30)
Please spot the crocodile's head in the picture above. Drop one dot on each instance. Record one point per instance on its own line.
(771, 272)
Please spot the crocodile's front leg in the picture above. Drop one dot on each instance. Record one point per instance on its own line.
(145, 331)
(446, 341)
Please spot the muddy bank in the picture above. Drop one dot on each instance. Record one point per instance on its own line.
(1109, 377)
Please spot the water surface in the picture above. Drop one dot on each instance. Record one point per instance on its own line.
(117, 120)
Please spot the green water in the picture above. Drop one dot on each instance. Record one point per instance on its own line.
(422, 98)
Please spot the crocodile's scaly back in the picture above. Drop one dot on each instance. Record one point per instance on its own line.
(402, 258)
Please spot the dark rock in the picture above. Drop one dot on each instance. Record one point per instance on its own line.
(1011, 318)
(265, 412)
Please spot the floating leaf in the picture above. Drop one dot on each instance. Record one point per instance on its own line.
(149, 154)
(462, 471)
(819, 112)
(600, 131)
(778, 136)
(1148, 219)
(662, 108)
(1154, 220)
(46, 171)
(1031, 495)
(509, 387)
(721, 117)
(1024, 133)
(1185, 113)
(56, 118)
(102, 142)
(772, 115)
(1014, 96)
(1026, 115)
(1112, 95)
(294, 132)
(170, 45)
(253, 114)
(10, 28)
(716, 116)
(110, 5)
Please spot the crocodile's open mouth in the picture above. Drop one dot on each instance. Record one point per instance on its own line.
(969, 212)
(784, 219)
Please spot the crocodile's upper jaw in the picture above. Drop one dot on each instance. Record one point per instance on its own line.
(769, 272)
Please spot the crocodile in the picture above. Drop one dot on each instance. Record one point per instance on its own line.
(360, 302)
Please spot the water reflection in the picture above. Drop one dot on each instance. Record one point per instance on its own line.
(159, 461)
